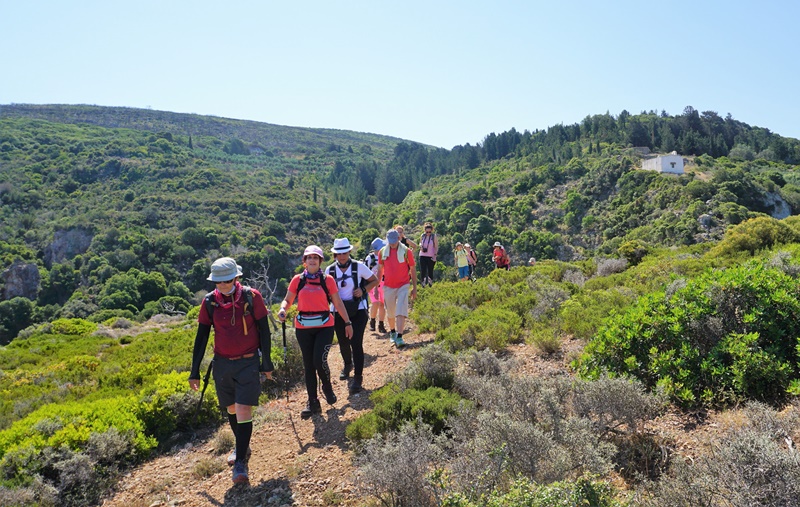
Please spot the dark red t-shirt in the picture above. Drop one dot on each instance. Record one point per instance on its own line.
(229, 326)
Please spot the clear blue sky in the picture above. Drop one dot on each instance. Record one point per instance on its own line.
(437, 72)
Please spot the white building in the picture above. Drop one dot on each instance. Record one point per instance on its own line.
(672, 163)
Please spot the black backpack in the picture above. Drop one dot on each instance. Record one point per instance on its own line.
(210, 303)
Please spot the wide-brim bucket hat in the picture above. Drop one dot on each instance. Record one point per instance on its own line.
(224, 269)
(341, 245)
(313, 250)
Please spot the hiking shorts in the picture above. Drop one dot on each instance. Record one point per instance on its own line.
(396, 301)
(237, 381)
(463, 272)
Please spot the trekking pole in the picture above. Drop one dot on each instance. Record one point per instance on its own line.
(285, 361)
(202, 392)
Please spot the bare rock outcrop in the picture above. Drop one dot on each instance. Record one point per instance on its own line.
(21, 279)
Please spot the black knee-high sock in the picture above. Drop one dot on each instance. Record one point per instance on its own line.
(243, 434)
(232, 421)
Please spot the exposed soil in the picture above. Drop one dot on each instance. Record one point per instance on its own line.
(309, 462)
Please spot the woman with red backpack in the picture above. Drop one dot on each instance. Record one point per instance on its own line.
(500, 256)
(314, 324)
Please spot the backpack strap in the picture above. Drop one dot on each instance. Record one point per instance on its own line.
(211, 303)
(322, 277)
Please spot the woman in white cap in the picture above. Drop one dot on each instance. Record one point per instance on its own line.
(377, 309)
(241, 336)
(314, 325)
(500, 256)
(355, 280)
(472, 260)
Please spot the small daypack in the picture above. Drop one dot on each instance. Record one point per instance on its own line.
(354, 275)
(211, 304)
(371, 261)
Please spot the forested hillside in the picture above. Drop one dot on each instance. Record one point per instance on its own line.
(118, 211)
(681, 291)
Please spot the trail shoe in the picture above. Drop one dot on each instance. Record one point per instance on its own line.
(381, 327)
(330, 396)
(232, 456)
(355, 384)
(312, 407)
(398, 341)
(372, 324)
(393, 337)
(240, 472)
(346, 371)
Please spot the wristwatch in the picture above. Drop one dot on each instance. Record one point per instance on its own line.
(348, 323)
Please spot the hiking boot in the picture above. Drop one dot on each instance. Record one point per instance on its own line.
(346, 371)
(312, 407)
(354, 386)
(381, 327)
(330, 396)
(240, 472)
(398, 341)
(232, 456)
(372, 324)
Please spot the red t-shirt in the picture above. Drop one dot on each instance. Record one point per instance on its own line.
(230, 339)
(396, 273)
(500, 257)
(312, 298)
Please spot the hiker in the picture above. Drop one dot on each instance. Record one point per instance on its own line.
(462, 262)
(242, 344)
(396, 266)
(377, 309)
(403, 239)
(314, 324)
(429, 245)
(472, 260)
(532, 261)
(500, 256)
(355, 280)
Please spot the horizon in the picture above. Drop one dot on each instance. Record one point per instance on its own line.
(443, 75)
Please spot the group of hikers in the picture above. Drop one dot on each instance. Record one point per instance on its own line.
(341, 299)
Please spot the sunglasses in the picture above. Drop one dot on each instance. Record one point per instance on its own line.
(226, 281)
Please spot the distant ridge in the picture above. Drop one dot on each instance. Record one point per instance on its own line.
(267, 135)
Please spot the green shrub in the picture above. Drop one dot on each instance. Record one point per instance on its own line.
(491, 328)
(394, 408)
(525, 493)
(723, 337)
(74, 327)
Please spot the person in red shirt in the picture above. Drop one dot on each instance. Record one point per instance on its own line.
(396, 266)
(500, 256)
(314, 325)
(241, 336)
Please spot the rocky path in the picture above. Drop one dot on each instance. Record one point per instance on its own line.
(294, 461)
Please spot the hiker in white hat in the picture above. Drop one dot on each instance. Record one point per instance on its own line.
(355, 280)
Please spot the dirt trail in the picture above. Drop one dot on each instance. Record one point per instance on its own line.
(294, 461)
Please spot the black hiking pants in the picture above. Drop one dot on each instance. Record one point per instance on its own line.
(352, 349)
(315, 343)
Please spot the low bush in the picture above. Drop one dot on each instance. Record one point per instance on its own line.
(491, 328)
(725, 336)
(394, 408)
(526, 493)
(73, 327)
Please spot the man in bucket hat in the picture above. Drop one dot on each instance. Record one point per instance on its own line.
(397, 268)
(242, 345)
